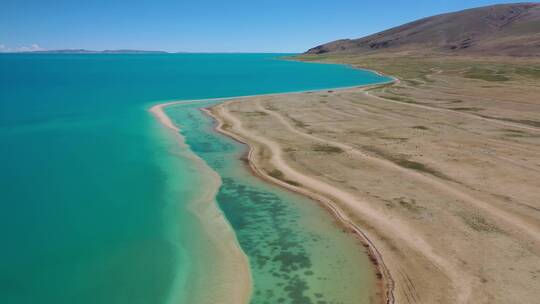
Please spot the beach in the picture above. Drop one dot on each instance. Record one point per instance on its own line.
(224, 256)
(438, 171)
(299, 244)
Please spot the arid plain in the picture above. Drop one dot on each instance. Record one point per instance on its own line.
(439, 172)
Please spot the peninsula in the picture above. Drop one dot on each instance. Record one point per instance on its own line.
(438, 171)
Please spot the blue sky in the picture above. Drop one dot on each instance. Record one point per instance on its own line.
(204, 25)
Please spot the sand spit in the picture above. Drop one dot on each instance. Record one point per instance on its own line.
(230, 281)
(386, 283)
(447, 195)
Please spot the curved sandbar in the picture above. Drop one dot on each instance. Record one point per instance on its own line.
(232, 127)
(380, 284)
(230, 281)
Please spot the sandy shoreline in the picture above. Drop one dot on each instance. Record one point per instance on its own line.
(445, 235)
(233, 263)
(385, 280)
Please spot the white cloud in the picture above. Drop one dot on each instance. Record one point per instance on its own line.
(31, 48)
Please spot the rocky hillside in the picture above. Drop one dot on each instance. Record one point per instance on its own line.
(506, 29)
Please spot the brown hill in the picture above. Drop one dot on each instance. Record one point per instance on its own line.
(506, 29)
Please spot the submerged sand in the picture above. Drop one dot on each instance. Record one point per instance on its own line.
(230, 279)
(447, 194)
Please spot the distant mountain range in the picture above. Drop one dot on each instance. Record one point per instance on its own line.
(83, 51)
(506, 29)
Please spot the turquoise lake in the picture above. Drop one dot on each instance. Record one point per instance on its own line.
(93, 194)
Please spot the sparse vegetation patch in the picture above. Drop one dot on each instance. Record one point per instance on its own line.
(478, 223)
(400, 98)
(255, 113)
(486, 74)
(326, 149)
(533, 72)
(471, 109)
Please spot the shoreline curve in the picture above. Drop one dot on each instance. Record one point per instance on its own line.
(235, 263)
(385, 281)
(383, 277)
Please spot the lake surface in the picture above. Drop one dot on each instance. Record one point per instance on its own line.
(94, 193)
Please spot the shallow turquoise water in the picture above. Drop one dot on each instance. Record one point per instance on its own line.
(298, 254)
(93, 194)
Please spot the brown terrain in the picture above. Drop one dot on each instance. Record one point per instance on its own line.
(440, 170)
(507, 29)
